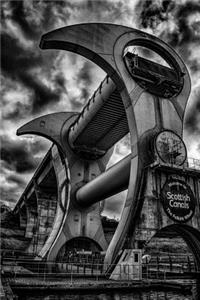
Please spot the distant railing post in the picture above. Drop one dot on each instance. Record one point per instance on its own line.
(170, 263)
(158, 266)
(84, 267)
(71, 274)
(147, 269)
(44, 277)
(96, 272)
(189, 264)
(78, 268)
(165, 275)
(128, 272)
(92, 268)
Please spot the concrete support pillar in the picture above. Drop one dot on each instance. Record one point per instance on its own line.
(31, 221)
(47, 204)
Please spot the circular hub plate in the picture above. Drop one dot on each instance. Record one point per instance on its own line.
(170, 147)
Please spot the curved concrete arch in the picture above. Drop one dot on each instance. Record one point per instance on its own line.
(81, 237)
(190, 235)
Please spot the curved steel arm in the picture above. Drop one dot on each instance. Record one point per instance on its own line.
(99, 42)
(49, 126)
(94, 41)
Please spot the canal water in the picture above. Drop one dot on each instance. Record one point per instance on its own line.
(134, 295)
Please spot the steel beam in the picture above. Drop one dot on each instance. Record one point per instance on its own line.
(109, 183)
(105, 107)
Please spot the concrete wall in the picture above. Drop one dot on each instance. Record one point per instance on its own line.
(153, 216)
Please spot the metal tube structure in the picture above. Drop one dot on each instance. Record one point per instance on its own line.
(101, 95)
(105, 107)
(109, 183)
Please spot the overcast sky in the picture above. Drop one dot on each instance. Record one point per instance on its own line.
(36, 82)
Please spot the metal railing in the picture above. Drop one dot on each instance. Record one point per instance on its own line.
(72, 272)
(190, 162)
(193, 163)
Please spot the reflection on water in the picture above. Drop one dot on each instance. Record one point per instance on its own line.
(135, 295)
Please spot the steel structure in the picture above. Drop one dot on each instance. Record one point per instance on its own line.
(137, 96)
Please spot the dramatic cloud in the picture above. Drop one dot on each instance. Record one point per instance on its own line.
(154, 12)
(192, 121)
(19, 159)
(36, 82)
(20, 67)
(113, 205)
(18, 156)
(19, 14)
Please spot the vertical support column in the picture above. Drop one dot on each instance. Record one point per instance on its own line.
(31, 221)
(31, 227)
(46, 207)
(23, 217)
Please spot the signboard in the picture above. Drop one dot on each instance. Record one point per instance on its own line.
(178, 200)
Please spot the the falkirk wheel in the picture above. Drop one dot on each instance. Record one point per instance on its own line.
(140, 96)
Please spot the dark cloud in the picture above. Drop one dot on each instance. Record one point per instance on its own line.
(18, 155)
(84, 80)
(192, 122)
(105, 9)
(9, 195)
(20, 67)
(56, 11)
(34, 17)
(19, 14)
(42, 95)
(15, 178)
(39, 146)
(186, 31)
(84, 75)
(15, 60)
(19, 110)
(19, 61)
(60, 81)
(194, 65)
(19, 159)
(153, 12)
